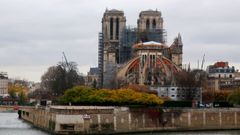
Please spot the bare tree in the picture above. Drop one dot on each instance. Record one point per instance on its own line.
(191, 81)
(61, 77)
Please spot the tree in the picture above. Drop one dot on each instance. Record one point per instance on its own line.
(208, 96)
(18, 91)
(141, 88)
(94, 84)
(85, 95)
(40, 94)
(22, 98)
(186, 79)
(221, 95)
(191, 80)
(61, 77)
(77, 94)
(234, 97)
(12, 92)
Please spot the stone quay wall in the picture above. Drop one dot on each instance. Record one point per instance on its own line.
(109, 120)
(6, 108)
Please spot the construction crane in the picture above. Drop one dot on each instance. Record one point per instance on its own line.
(203, 60)
(66, 61)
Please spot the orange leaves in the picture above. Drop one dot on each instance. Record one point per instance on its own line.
(111, 97)
(15, 90)
(221, 96)
(141, 88)
(210, 96)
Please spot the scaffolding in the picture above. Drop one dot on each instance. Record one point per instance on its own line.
(131, 36)
(100, 59)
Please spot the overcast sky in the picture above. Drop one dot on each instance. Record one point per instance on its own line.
(34, 33)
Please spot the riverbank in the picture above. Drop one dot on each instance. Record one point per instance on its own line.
(116, 120)
(11, 125)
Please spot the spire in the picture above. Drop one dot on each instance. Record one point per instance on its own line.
(179, 39)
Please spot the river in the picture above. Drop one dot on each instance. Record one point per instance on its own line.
(11, 125)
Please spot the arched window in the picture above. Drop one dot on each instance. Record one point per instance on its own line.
(147, 24)
(154, 24)
(111, 28)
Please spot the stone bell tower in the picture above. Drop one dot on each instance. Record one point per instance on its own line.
(113, 23)
(150, 19)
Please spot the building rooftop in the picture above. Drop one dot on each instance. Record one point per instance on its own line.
(221, 64)
(93, 71)
(149, 45)
(152, 43)
(150, 12)
(3, 75)
(113, 12)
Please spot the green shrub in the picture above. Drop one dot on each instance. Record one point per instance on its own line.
(82, 95)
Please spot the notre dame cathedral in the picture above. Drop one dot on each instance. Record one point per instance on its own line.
(116, 42)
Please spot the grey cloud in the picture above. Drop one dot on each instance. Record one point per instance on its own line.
(34, 33)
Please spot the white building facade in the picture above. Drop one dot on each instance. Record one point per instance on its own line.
(3, 84)
(221, 76)
(179, 93)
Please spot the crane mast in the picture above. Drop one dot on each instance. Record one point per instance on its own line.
(66, 61)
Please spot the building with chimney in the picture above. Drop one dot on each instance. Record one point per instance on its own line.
(221, 76)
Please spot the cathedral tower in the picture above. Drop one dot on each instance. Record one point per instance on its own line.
(149, 20)
(113, 23)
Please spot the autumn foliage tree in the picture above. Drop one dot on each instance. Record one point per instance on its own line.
(84, 95)
(18, 91)
(140, 88)
(221, 95)
(211, 96)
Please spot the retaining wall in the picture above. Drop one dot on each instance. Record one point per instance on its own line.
(108, 120)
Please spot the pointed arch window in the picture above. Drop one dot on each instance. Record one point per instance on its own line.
(147, 24)
(111, 28)
(154, 24)
(117, 28)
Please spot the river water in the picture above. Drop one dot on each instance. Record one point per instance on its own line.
(11, 125)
